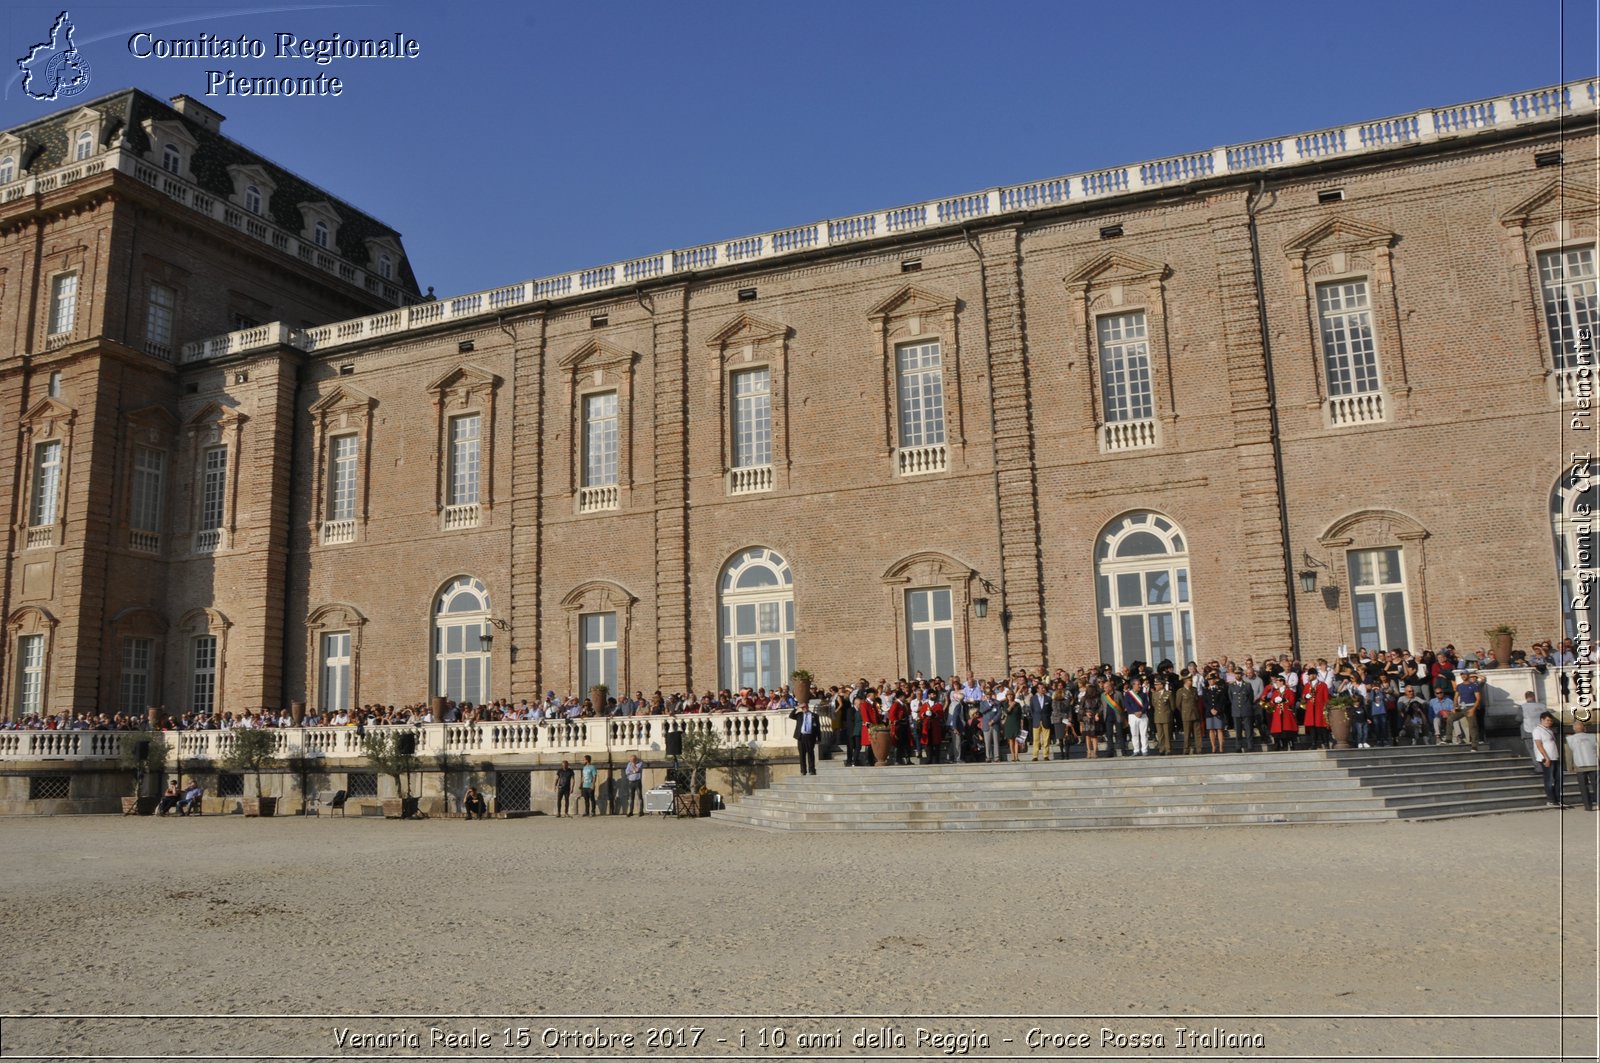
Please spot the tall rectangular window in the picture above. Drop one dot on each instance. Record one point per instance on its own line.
(134, 692)
(465, 436)
(342, 477)
(149, 475)
(336, 671)
(1125, 384)
(919, 369)
(1378, 599)
(930, 632)
(30, 675)
(599, 631)
(63, 303)
(46, 484)
(213, 489)
(204, 688)
(752, 418)
(1349, 355)
(1570, 305)
(159, 309)
(600, 439)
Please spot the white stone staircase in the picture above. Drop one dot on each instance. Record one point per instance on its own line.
(1205, 790)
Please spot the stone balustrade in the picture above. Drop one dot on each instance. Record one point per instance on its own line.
(1360, 138)
(619, 736)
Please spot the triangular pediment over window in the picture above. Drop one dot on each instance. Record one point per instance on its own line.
(912, 300)
(214, 415)
(462, 383)
(1556, 200)
(1115, 267)
(48, 412)
(746, 329)
(342, 398)
(596, 354)
(1339, 234)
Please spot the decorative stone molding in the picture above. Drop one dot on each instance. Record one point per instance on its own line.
(192, 625)
(343, 411)
(330, 617)
(1376, 529)
(136, 621)
(156, 428)
(465, 389)
(599, 596)
(916, 315)
(48, 420)
(594, 367)
(214, 425)
(162, 132)
(1561, 214)
(742, 344)
(246, 174)
(931, 568)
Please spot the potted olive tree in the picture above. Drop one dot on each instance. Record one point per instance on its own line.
(394, 753)
(145, 754)
(253, 752)
(703, 750)
(802, 680)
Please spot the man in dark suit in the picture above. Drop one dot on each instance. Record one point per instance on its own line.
(807, 727)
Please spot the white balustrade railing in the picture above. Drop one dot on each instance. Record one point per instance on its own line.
(1360, 138)
(594, 499)
(144, 542)
(1368, 407)
(1129, 435)
(338, 531)
(915, 461)
(1575, 382)
(208, 541)
(43, 535)
(763, 732)
(750, 479)
(457, 518)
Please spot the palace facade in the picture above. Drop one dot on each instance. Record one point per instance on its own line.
(1308, 391)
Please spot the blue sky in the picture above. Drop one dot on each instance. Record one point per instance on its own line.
(538, 137)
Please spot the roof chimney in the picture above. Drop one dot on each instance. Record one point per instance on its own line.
(192, 108)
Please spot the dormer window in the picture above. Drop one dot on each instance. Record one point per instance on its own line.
(172, 159)
(319, 234)
(252, 199)
(83, 145)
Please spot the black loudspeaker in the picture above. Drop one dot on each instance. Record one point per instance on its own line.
(406, 743)
(141, 751)
(674, 743)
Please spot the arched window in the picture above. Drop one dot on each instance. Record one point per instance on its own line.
(1142, 586)
(757, 606)
(252, 199)
(319, 234)
(1566, 523)
(460, 651)
(83, 145)
(385, 267)
(172, 159)
(8, 169)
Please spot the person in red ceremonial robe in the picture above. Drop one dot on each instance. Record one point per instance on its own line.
(1314, 703)
(1278, 701)
(868, 709)
(932, 732)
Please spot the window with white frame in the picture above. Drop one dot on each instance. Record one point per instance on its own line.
(385, 267)
(1567, 278)
(160, 307)
(172, 159)
(1349, 352)
(598, 632)
(1142, 590)
(213, 488)
(460, 654)
(149, 476)
(63, 303)
(319, 234)
(46, 484)
(757, 612)
(1572, 537)
(465, 437)
(919, 371)
(30, 675)
(203, 687)
(8, 169)
(336, 671)
(752, 418)
(930, 632)
(133, 694)
(83, 145)
(1125, 384)
(600, 439)
(252, 198)
(1378, 599)
(342, 451)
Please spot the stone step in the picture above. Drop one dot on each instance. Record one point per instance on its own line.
(1118, 820)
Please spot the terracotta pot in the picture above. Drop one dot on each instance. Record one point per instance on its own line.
(1339, 727)
(1501, 645)
(881, 740)
(802, 691)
